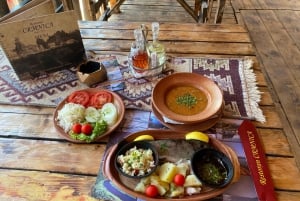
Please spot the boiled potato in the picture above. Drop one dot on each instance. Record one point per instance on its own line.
(167, 172)
(162, 187)
(175, 191)
(192, 180)
(141, 186)
(182, 168)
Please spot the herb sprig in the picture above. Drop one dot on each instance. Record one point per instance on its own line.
(187, 100)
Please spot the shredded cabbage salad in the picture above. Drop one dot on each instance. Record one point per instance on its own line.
(70, 114)
(100, 119)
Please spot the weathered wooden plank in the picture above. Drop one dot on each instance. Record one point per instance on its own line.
(254, 4)
(289, 19)
(250, 4)
(266, 96)
(45, 130)
(276, 67)
(174, 47)
(285, 176)
(287, 196)
(152, 15)
(279, 4)
(284, 43)
(170, 36)
(272, 118)
(172, 26)
(157, 2)
(28, 109)
(237, 5)
(51, 156)
(263, 4)
(274, 142)
(44, 186)
(40, 126)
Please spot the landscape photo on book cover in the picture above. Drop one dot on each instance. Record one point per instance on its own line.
(39, 45)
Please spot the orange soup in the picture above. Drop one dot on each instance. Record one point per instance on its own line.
(186, 100)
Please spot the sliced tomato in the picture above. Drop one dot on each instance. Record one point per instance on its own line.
(79, 97)
(100, 98)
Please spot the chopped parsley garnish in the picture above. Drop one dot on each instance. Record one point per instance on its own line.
(187, 100)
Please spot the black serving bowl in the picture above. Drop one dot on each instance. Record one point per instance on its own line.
(139, 145)
(212, 167)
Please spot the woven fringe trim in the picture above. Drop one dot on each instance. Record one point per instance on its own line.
(251, 94)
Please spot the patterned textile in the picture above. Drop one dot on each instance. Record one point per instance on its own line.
(48, 90)
(234, 76)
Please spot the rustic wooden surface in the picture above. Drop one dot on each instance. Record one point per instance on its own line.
(37, 164)
(164, 11)
(274, 29)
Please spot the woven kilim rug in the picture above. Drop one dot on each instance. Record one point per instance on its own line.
(234, 76)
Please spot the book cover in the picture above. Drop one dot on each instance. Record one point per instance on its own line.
(39, 45)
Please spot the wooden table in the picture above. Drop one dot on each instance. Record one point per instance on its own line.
(37, 164)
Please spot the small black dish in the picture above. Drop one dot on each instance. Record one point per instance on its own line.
(212, 167)
(139, 145)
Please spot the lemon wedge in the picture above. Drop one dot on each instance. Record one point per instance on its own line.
(196, 135)
(144, 137)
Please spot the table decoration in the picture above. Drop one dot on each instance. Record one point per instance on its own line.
(234, 76)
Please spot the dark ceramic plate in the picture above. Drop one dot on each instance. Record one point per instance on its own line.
(212, 167)
(139, 145)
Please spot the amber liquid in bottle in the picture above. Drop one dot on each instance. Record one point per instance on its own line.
(140, 60)
(140, 57)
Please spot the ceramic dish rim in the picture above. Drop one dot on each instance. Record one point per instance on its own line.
(214, 95)
(116, 100)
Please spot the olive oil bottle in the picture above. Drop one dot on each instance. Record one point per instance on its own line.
(155, 49)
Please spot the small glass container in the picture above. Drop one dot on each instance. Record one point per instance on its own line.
(144, 72)
(140, 62)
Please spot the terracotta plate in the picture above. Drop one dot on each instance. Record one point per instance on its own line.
(201, 126)
(127, 184)
(206, 85)
(117, 102)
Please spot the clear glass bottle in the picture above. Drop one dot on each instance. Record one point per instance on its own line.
(138, 50)
(156, 50)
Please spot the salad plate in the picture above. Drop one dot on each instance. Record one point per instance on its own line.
(172, 141)
(116, 101)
